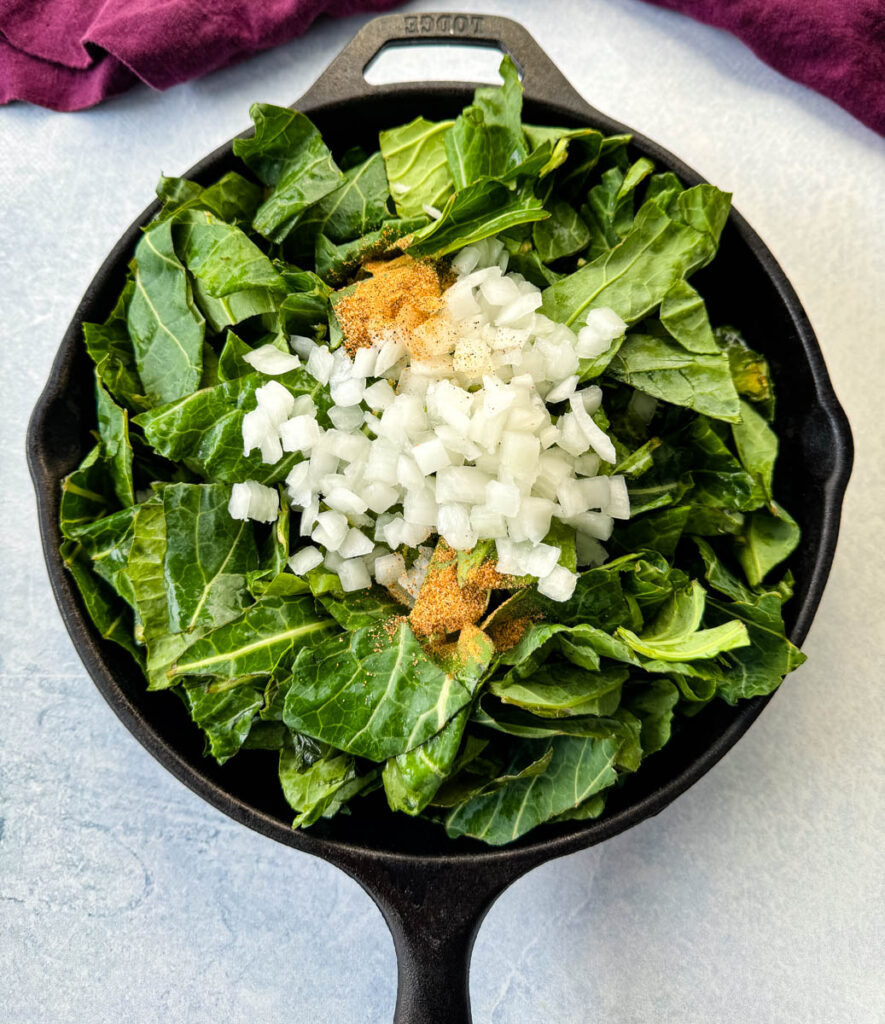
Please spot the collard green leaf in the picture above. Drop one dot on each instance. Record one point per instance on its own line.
(417, 169)
(305, 308)
(563, 234)
(554, 144)
(231, 362)
(638, 461)
(263, 641)
(221, 256)
(705, 208)
(287, 153)
(680, 616)
(759, 668)
(233, 308)
(598, 599)
(87, 494)
(266, 735)
(703, 644)
(684, 315)
(657, 531)
(224, 717)
(652, 580)
(653, 704)
(411, 780)
(514, 721)
(113, 432)
(659, 250)
(666, 370)
(147, 555)
(749, 370)
(707, 521)
(756, 445)
(587, 811)
(578, 769)
(609, 209)
(487, 772)
(533, 639)
(562, 690)
(664, 188)
(358, 206)
(205, 429)
(111, 616)
(719, 479)
(481, 210)
(106, 544)
(486, 140)
(476, 149)
(357, 610)
(317, 779)
(110, 348)
(165, 326)
(371, 694)
(207, 557)
(232, 198)
(770, 536)
(607, 646)
(584, 155)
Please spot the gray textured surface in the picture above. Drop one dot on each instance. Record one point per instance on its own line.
(756, 898)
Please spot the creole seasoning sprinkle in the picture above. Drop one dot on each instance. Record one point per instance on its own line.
(442, 606)
(401, 295)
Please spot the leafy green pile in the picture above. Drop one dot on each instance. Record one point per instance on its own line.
(490, 741)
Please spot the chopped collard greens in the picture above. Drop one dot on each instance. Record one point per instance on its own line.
(426, 468)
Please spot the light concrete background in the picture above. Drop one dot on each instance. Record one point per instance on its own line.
(755, 899)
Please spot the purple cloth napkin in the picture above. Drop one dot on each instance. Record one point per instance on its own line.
(71, 54)
(834, 46)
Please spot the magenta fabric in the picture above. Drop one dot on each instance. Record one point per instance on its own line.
(834, 46)
(71, 54)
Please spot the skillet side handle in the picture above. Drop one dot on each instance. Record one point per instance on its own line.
(344, 77)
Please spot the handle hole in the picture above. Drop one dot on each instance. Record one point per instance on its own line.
(440, 62)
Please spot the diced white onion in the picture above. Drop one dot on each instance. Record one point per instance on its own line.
(618, 504)
(559, 584)
(305, 559)
(275, 400)
(389, 568)
(252, 500)
(270, 360)
(354, 575)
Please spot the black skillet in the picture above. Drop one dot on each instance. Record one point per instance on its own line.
(434, 892)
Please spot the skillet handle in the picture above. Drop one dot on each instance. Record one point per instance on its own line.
(434, 909)
(344, 77)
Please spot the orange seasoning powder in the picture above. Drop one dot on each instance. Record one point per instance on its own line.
(401, 295)
(442, 606)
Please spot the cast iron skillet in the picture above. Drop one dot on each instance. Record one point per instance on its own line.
(434, 892)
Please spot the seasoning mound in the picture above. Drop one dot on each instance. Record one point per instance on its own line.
(400, 295)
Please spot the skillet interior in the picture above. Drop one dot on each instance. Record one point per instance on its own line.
(743, 286)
